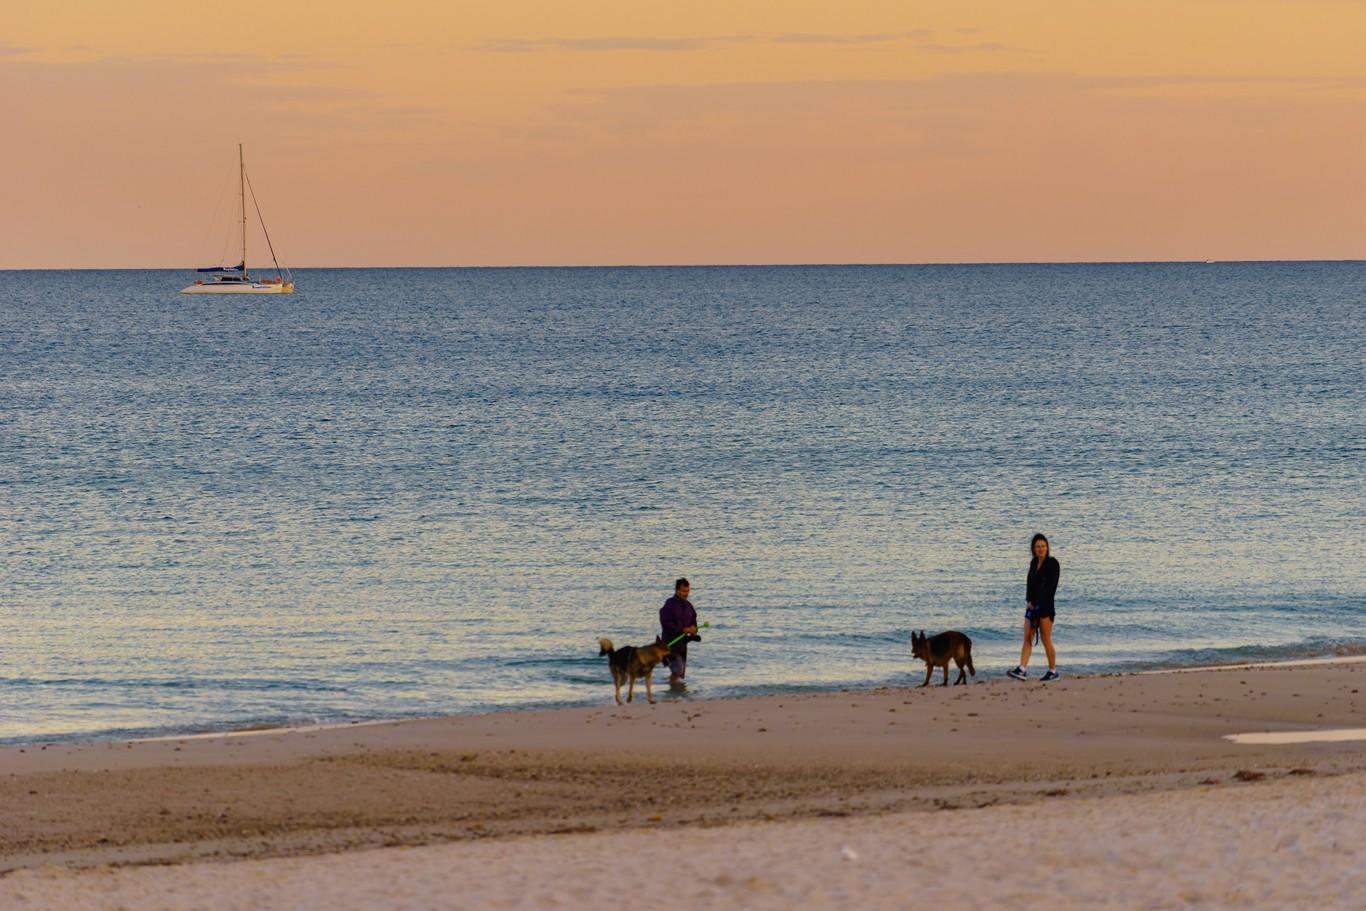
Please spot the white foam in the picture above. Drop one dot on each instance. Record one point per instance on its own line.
(1325, 736)
(1250, 665)
(262, 731)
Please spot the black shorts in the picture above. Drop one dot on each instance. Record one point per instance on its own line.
(1035, 614)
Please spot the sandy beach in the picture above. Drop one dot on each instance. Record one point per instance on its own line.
(993, 791)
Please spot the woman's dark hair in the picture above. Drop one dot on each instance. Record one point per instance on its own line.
(1047, 551)
(680, 583)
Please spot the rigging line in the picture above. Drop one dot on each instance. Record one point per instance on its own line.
(264, 230)
(218, 237)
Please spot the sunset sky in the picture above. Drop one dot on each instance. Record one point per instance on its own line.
(595, 132)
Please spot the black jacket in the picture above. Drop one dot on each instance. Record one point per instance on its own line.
(1042, 583)
(676, 614)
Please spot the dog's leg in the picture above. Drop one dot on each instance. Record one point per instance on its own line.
(946, 673)
(650, 686)
(630, 687)
(616, 685)
(929, 672)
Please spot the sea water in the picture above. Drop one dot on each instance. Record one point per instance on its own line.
(425, 491)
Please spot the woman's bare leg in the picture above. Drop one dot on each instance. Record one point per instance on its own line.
(1046, 634)
(1028, 644)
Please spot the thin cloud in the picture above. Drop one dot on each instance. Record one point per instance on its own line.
(155, 81)
(980, 47)
(1235, 84)
(273, 62)
(208, 61)
(954, 104)
(948, 98)
(924, 38)
(530, 45)
(872, 38)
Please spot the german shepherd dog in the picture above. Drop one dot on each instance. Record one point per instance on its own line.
(631, 662)
(938, 651)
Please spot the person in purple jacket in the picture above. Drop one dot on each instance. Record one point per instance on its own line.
(677, 618)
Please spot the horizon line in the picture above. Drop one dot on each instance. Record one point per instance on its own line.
(755, 265)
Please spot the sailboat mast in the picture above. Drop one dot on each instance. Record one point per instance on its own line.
(242, 192)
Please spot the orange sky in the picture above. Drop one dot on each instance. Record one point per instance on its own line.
(491, 133)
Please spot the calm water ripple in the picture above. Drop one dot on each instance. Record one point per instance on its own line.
(404, 492)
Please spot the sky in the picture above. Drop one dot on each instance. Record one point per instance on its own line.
(420, 132)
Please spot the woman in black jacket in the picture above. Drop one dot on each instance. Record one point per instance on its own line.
(1040, 587)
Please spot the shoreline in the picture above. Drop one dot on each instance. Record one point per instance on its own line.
(1245, 665)
(678, 764)
(251, 730)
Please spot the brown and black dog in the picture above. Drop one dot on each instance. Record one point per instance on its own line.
(940, 650)
(631, 662)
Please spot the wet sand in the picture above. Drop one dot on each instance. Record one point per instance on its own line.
(815, 760)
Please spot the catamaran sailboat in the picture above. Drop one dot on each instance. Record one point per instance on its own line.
(235, 279)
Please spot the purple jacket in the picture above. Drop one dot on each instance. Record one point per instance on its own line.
(676, 614)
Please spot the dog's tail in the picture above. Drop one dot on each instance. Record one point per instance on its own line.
(605, 647)
(967, 647)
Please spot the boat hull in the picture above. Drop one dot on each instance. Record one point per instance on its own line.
(240, 288)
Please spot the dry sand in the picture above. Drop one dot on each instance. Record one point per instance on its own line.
(755, 797)
(1287, 845)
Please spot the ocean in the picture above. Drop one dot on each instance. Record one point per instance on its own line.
(406, 492)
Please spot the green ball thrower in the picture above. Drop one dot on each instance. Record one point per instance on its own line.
(682, 636)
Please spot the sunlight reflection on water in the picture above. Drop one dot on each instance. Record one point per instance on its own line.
(426, 491)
